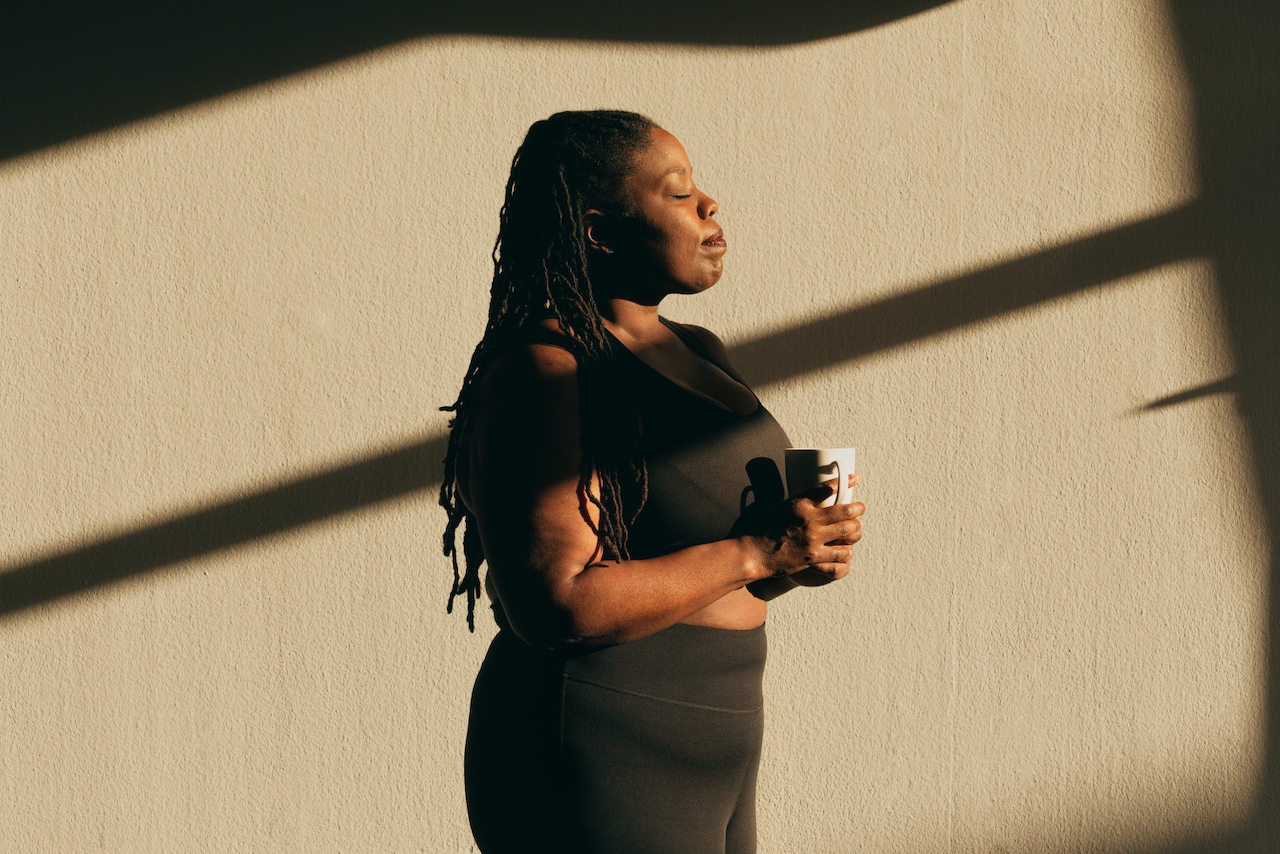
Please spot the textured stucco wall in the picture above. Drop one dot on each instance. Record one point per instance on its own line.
(1043, 647)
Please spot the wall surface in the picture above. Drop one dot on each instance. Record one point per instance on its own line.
(962, 242)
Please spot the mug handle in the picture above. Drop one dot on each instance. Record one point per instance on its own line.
(839, 483)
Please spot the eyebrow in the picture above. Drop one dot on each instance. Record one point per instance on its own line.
(679, 170)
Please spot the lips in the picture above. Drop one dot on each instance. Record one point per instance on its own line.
(716, 239)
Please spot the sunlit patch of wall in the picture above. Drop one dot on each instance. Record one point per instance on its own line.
(1054, 637)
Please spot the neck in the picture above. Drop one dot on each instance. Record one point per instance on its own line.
(627, 318)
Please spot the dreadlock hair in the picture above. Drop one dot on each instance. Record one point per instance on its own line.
(567, 164)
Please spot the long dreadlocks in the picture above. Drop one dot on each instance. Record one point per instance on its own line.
(567, 164)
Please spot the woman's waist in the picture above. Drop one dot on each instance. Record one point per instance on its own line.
(738, 610)
(698, 665)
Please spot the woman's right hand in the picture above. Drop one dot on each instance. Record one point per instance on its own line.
(798, 536)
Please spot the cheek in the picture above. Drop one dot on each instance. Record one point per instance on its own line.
(663, 245)
(681, 240)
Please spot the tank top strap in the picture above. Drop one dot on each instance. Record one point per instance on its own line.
(689, 339)
(697, 346)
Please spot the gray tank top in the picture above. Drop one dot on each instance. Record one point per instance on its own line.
(706, 464)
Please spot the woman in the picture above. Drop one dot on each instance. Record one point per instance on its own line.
(621, 481)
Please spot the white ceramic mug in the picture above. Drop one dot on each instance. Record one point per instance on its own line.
(808, 467)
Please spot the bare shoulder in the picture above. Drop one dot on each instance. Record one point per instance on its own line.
(526, 413)
(526, 366)
(543, 361)
(527, 400)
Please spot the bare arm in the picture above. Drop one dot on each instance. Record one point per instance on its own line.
(522, 485)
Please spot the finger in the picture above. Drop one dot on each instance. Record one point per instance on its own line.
(838, 513)
(838, 555)
(846, 533)
(828, 572)
(856, 503)
(841, 533)
(854, 479)
(816, 550)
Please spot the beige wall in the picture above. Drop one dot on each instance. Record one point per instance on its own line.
(1055, 635)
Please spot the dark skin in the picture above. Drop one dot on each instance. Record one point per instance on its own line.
(519, 472)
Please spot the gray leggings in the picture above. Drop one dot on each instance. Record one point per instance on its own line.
(649, 746)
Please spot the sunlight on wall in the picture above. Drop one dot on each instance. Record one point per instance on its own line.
(1052, 641)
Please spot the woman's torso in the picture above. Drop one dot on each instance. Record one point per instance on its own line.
(705, 463)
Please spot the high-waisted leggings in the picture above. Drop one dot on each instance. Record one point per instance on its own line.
(649, 746)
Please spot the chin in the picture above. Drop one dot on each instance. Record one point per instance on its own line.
(704, 285)
(695, 284)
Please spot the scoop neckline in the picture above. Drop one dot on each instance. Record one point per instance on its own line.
(698, 351)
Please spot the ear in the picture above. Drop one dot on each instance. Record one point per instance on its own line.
(595, 230)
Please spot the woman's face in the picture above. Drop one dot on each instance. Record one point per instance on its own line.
(676, 246)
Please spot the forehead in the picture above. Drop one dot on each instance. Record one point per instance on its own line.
(664, 156)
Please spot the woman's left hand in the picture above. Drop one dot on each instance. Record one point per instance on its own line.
(815, 578)
(775, 586)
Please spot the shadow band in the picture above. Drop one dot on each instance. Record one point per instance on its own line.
(68, 69)
(301, 502)
(1227, 385)
(896, 321)
(1061, 271)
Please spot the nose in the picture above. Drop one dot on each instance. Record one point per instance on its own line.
(707, 207)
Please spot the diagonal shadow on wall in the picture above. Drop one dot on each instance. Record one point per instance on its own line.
(105, 67)
(72, 68)
(932, 309)
(941, 307)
